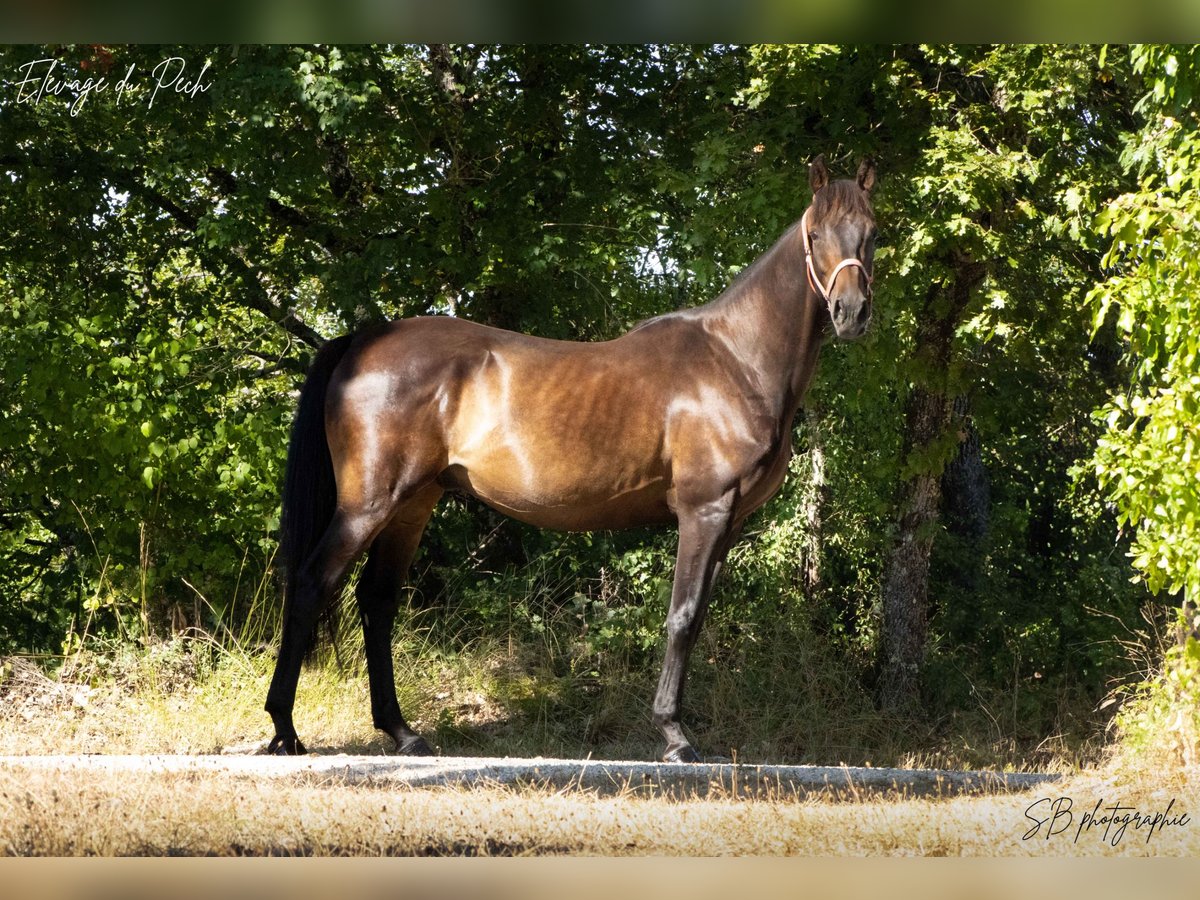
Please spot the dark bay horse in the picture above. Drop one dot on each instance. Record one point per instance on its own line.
(686, 419)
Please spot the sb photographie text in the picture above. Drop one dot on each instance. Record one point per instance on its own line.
(1054, 816)
(43, 78)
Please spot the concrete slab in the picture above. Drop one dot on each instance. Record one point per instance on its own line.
(599, 776)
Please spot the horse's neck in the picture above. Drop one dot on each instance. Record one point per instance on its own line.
(773, 322)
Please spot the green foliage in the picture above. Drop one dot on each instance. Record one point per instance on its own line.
(1149, 455)
(1001, 156)
(171, 261)
(122, 415)
(166, 270)
(1160, 716)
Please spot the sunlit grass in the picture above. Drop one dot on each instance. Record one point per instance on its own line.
(491, 696)
(496, 696)
(76, 813)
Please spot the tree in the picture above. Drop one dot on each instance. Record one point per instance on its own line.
(175, 258)
(1148, 456)
(997, 154)
(169, 267)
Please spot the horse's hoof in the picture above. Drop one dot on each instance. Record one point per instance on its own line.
(414, 746)
(682, 754)
(285, 746)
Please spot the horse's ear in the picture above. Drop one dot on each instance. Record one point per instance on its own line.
(866, 174)
(818, 175)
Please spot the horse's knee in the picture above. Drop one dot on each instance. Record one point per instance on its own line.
(681, 622)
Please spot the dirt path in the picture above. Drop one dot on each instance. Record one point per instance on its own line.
(602, 777)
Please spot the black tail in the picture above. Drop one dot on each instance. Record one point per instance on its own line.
(309, 492)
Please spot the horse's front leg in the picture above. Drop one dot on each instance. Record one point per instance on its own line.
(705, 532)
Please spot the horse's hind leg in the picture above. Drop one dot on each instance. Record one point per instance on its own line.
(317, 582)
(378, 595)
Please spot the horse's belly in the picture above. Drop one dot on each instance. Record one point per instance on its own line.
(572, 503)
(561, 440)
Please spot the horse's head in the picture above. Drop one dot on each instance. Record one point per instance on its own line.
(838, 234)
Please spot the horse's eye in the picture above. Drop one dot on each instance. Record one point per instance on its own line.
(812, 236)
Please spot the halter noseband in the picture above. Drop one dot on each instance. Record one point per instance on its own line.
(824, 289)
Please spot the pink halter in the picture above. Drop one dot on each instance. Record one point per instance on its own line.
(824, 289)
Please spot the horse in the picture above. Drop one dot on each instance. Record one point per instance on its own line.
(686, 419)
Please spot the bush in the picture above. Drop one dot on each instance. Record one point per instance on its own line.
(1160, 718)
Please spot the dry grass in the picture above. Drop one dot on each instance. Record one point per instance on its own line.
(181, 699)
(485, 700)
(159, 708)
(77, 814)
(186, 699)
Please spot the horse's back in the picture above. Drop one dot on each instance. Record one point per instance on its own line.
(562, 434)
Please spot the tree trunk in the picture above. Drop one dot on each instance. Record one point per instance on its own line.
(966, 500)
(966, 492)
(906, 578)
(927, 418)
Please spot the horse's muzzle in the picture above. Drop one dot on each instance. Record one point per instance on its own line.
(851, 316)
